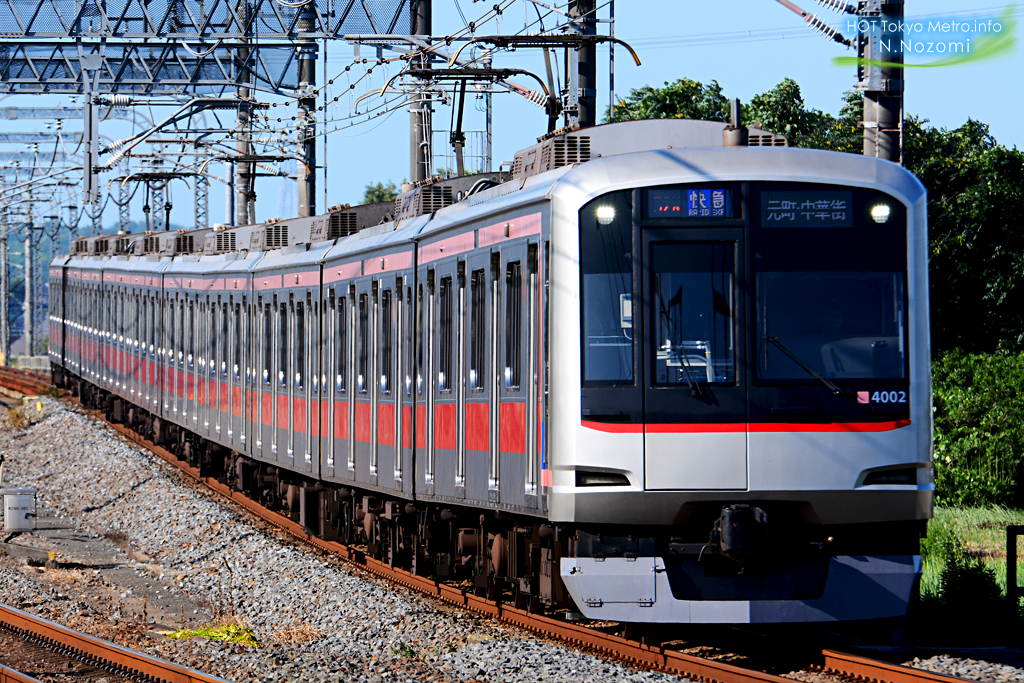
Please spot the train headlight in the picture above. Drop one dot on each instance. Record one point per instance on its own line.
(880, 212)
(605, 214)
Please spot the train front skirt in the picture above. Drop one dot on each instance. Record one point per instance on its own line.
(639, 590)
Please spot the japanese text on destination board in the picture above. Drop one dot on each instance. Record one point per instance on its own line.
(697, 202)
(806, 209)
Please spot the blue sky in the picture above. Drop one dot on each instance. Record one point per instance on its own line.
(748, 46)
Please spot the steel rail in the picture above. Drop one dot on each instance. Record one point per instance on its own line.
(11, 676)
(875, 670)
(124, 661)
(617, 647)
(20, 383)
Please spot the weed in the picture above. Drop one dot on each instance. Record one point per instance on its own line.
(15, 419)
(229, 630)
(53, 392)
(296, 634)
(405, 650)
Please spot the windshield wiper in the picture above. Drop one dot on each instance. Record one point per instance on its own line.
(804, 366)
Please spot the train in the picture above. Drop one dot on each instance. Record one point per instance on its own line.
(657, 372)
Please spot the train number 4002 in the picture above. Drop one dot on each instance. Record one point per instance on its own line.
(882, 397)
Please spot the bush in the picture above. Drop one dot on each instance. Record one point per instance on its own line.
(979, 428)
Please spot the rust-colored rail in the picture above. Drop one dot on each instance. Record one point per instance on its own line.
(641, 654)
(89, 648)
(12, 676)
(19, 383)
(874, 670)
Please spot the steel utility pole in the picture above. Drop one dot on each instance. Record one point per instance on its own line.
(245, 180)
(419, 108)
(882, 85)
(28, 309)
(306, 167)
(584, 14)
(5, 290)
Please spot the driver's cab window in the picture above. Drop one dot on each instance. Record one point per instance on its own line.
(693, 310)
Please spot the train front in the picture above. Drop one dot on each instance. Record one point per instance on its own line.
(741, 407)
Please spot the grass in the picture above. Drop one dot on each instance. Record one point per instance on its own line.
(230, 631)
(972, 534)
(963, 583)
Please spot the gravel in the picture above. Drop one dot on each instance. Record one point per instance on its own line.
(971, 669)
(317, 618)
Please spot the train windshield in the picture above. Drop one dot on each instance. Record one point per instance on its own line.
(845, 325)
(606, 266)
(829, 284)
(693, 312)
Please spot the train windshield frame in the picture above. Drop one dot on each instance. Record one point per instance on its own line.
(812, 293)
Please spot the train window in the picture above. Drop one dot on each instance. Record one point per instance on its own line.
(387, 342)
(314, 339)
(180, 339)
(408, 341)
(169, 337)
(606, 280)
(477, 329)
(237, 358)
(513, 324)
(361, 370)
(693, 313)
(211, 335)
(191, 333)
(225, 339)
(341, 341)
(446, 341)
(300, 342)
(268, 325)
(282, 343)
(419, 342)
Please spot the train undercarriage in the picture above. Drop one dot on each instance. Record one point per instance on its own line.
(722, 552)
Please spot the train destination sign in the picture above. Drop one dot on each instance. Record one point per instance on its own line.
(806, 209)
(689, 202)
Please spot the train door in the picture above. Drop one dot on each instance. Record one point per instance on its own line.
(328, 379)
(236, 397)
(303, 369)
(349, 383)
(364, 433)
(383, 464)
(695, 391)
(406, 376)
(425, 377)
(444, 458)
(479, 376)
(515, 476)
(279, 426)
(267, 379)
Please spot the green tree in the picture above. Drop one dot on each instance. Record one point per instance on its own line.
(976, 247)
(380, 192)
(979, 428)
(682, 99)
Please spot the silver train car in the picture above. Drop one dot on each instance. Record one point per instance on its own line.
(645, 376)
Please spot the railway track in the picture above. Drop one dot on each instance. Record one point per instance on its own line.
(16, 384)
(71, 654)
(846, 665)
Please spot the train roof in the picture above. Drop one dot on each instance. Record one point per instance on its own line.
(567, 168)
